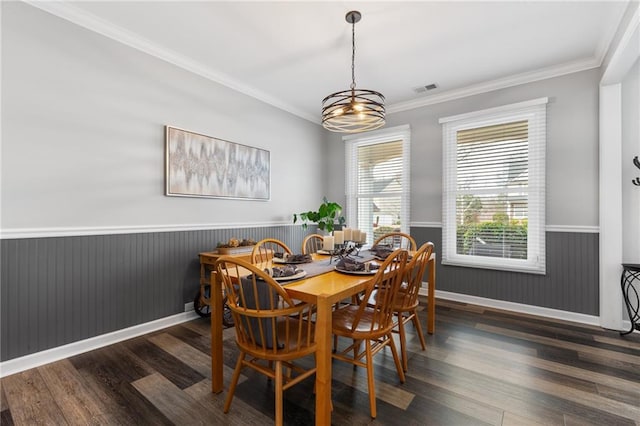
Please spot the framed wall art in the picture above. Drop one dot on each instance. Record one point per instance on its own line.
(203, 166)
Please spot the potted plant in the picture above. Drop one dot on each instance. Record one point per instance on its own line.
(326, 217)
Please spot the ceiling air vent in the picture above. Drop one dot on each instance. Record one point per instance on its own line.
(426, 88)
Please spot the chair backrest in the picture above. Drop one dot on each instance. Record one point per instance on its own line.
(386, 283)
(266, 319)
(312, 243)
(397, 240)
(265, 249)
(407, 296)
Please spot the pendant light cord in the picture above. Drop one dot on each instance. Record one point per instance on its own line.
(353, 55)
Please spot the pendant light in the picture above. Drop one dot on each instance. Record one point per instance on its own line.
(353, 110)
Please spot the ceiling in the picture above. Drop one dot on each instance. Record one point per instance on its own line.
(293, 54)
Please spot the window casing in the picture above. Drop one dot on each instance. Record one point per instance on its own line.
(377, 181)
(494, 188)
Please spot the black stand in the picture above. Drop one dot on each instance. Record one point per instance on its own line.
(630, 283)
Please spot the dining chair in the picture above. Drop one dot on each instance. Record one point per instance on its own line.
(397, 240)
(405, 304)
(265, 249)
(272, 331)
(372, 324)
(312, 243)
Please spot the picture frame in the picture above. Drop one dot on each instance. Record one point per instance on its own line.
(203, 166)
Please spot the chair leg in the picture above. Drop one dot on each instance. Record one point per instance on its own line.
(394, 351)
(370, 380)
(356, 350)
(403, 341)
(416, 324)
(279, 393)
(234, 382)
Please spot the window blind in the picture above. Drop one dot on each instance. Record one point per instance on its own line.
(378, 181)
(493, 195)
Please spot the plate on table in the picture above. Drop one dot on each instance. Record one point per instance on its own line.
(297, 276)
(327, 252)
(346, 271)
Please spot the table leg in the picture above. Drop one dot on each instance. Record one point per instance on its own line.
(323, 362)
(215, 299)
(431, 299)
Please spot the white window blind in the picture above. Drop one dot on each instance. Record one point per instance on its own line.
(494, 188)
(377, 184)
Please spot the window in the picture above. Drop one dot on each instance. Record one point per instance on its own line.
(377, 188)
(494, 188)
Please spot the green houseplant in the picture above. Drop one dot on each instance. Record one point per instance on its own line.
(326, 217)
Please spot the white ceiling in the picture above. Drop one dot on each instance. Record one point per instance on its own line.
(293, 54)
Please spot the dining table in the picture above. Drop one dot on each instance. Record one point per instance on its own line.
(324, 291)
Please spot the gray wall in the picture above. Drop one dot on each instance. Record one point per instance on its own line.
(60, 290)
(83, 133)
(83, 123)
(83, 149)
(572, 147)
(570, 284)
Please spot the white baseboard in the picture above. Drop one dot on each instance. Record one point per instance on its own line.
(37, 359)
(515, 307)
(26, 362)
(626, 324)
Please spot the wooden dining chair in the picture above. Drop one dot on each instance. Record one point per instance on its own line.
(406, 301)
(271, 330)
(372, 324)
(397, 240)
(265, 249)
(312, 243)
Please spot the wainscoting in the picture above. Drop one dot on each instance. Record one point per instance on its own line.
(59, 290)
(570, 284)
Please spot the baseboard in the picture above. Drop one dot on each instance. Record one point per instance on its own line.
(515, 307)
(37, 359)
(626, 324)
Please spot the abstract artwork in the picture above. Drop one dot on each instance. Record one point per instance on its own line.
(203, 166)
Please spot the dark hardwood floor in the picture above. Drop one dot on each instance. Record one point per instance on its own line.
(482, 366)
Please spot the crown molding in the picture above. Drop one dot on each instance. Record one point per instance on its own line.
(91, 22)
(501, 83)
(18, 233)
(626, 52)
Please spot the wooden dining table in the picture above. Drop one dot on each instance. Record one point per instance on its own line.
(324, 291)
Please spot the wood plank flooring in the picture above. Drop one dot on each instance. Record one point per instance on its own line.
(482, 367)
